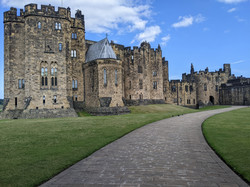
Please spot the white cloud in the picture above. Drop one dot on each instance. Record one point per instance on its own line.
(186, 21)
(101, 16)
(165, 39)
(231, 10)
(237, 62)
(205, 29)
(239, 19)
(148, 35)
(231, 1)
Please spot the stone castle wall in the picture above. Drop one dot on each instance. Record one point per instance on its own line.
(42, 38)
(235, 92)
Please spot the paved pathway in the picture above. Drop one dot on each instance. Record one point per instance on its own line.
(171, 152)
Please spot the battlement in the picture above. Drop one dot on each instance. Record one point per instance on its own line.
(46, 11)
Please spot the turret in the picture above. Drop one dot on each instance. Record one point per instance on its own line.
(192, 69)
(227, 69)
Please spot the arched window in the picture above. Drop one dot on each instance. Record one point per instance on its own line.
(44, 74)
(76, 84)
(42, 81)
(46, 81)
(39, 25)
(53, 74)
(116, 81)
(56, 25)
(105, 77)
(59, 26)
(52, 71)
(52, 81)
(42, 71)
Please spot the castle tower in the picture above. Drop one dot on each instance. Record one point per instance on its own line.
(44, 53)
(103, 75)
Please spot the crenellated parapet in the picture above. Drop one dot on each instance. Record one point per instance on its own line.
(11, 15)
(45, 11)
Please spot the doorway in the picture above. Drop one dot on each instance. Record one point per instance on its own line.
(211, 99)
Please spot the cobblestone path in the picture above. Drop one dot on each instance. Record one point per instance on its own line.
(170, 152)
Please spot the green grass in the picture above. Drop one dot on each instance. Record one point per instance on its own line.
(214, 107)
(229, 135)
(32, 151)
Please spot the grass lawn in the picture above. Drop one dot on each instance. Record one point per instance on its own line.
(229, 135)
(34, 150)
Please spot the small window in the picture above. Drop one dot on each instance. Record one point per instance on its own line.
(52, 71)
(23, 83)
(155, 85)
(46, 72)
(205, 87)
(55, 71)
(105, 77)
(194, 101)
(164, 89)
(15, 101)
(42, 71)
(173, 88)
(44, 99)
(46, 81)
(73, 53)
(76, 86)
(74, 36)
(39, 25)
(216, 88)
(42, 81)
(54, 99)
(19, 83)
(58, 26)
(60, 46)
(188, 101)
(130, 85)
(139, 69)
(75, 97)
(154, 73)
(141, 97)
(141, 84)
(186, 88)
(130, 97)
(55, 81)
(73, 83)
(116, 80)
(190, 88)
(52, 81)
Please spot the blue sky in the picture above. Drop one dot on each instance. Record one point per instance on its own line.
(206, 33)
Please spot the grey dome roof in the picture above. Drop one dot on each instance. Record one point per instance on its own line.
(100, 50)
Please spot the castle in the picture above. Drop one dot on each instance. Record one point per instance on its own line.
(51, 70)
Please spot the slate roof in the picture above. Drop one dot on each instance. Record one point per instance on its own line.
(100, 50)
